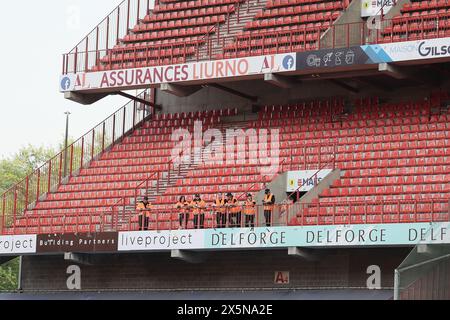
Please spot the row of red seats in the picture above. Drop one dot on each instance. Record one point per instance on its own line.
(188, 13)
(389, 172)
(185, 5)
(300, 9)
(290, 3)
(293, 21)
(425, 5)
(182, 23)
(394, 180)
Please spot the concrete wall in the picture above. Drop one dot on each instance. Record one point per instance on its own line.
(212, 98)
(346, 30)
(335, 268)
(278, 188)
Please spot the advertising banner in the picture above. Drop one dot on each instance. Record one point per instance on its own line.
(370, 8)
(161, 240)
(399, 234)
(283, 237)
(12, 245)
(304, 179)
(79, 243)
(332, 58)
(204, 70)
(374, 54)
(410, 50)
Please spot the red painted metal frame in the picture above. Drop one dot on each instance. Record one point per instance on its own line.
(18, 199)
(257, 43)
(167, 218)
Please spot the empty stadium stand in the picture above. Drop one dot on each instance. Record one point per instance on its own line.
(285, 26)
(418, 20)
(394, 159)
(172, 32)
(187, 31)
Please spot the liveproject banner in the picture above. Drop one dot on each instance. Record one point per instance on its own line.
(283, 237)
(203, 70)
(20, 244)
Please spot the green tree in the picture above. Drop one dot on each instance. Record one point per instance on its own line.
(9, 275)
(25, 161)
(12, 170)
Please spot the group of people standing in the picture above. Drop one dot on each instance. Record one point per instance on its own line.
(228, 210)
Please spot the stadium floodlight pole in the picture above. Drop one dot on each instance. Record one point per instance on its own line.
(66, 142)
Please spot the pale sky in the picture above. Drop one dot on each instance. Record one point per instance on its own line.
(34, 36)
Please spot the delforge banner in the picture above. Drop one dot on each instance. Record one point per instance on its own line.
(406, 234)
(284, 237)
(204, 70)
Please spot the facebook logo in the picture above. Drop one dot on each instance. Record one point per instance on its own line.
(65, 83)
(288, 62)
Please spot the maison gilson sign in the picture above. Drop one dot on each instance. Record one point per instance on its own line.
(80, 243)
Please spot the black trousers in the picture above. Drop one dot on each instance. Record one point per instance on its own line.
(249, 221)
(221, 219)
(268, 216)
(235, 220)
(143, 223)
(184, 217)
(199, 221)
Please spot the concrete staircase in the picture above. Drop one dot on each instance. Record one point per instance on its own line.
(227, 32)
(167, 180)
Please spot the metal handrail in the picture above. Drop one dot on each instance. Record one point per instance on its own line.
(50, 176)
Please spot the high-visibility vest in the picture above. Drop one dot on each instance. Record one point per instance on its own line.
(182, 206)
(198, 206)
(220, 203)
(250, 207)
(142, 208)
(236, 208)
(268, 199)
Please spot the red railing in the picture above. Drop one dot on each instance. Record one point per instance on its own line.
(96, 48)
(26, 194)
(372, 212)
(251, 43)
(330, 163)
(321, 213)
(107, 33)
(119, 208)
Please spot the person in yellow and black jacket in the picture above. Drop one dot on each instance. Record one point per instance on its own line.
(269, 205)
(183, 211)
(143, 208)
(219, 206)
(198, 209)
(249, 211)
(234, 211)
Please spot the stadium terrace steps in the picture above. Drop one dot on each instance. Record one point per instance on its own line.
(236, 21)
(116, 175)
(286, 26)
(182, 31)
(173, 32)
(394, 159)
